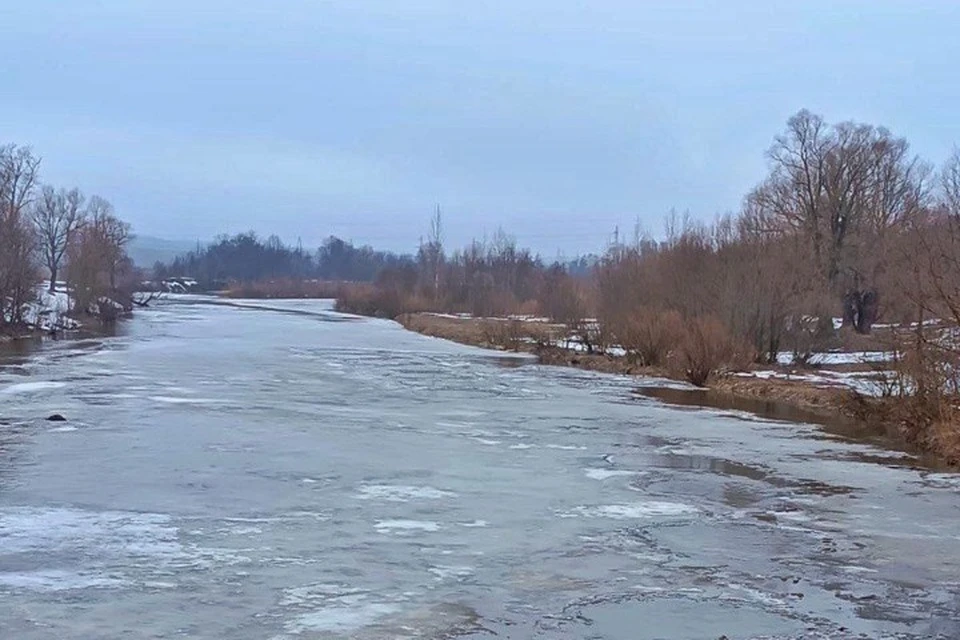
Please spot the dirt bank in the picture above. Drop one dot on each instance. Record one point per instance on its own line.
(494, 334)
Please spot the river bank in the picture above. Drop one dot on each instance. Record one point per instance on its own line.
(828, 395)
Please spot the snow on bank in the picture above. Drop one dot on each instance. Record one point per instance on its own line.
(865, 383)
(49, 311)
(839, 357)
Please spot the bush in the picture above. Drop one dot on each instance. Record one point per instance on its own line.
(647, 336)
(380, 302)
(920, 395)
(705, 347)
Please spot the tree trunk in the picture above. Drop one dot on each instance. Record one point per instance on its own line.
(867, 312)
(53, 279)
(860, 310)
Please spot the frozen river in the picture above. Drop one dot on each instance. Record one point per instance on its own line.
(278, 471)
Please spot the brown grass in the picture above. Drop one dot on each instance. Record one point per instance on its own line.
(287, 288)
(490, 333)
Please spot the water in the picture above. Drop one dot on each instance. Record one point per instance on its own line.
(276, 471)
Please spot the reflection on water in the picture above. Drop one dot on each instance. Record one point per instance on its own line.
(768, 409)
(18, 352)
(835, 426)
(14, 353)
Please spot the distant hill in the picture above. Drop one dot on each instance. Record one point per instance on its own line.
(147, 250)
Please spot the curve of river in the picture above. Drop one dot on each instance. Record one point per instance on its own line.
(273, 470)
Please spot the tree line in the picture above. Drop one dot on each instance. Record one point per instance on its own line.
(848, 231)
(848, 223)
(246, 262)
(55, 232)
(245, 259)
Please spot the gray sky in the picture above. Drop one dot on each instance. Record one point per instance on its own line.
(555, 119)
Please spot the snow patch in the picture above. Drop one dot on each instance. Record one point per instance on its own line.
(48, 311)
(839, 357)
(384, 526)
(445, 573)
(52, 580)
(182, 400)
(401, 493)
(31, 387)
(333, 609)
(635, 510)
(603, 474)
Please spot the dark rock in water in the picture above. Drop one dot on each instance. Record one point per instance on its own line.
(57, 418)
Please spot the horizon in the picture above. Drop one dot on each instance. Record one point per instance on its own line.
(555, 122)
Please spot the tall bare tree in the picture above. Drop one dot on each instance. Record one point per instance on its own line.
(431, 256)
(950, 183)
(842, 187)
(96, 255)
(113, 233)
(18, 176)
(56, 215)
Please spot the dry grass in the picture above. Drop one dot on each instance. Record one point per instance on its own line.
(286, 288)
(490, 333)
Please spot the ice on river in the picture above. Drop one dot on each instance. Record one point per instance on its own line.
(30, 387)
(352, 480)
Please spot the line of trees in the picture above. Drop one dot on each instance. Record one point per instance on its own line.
(848, 223)
(245, 258)
(53, 232)
(484, 277)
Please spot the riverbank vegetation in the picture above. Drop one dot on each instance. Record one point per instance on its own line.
(76, 244)
(849, 243)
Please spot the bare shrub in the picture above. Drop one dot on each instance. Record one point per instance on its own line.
(648, 336)
(379, 302)
(705, 348)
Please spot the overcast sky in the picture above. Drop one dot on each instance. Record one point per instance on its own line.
(554, 119)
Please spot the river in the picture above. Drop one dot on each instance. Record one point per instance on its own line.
(277, 471)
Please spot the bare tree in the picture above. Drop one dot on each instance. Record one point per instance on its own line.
(950, 183)
(18, 176)
(113, 234)
(431, 256)
(842, 187)
(56, 215)
(96, 256)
